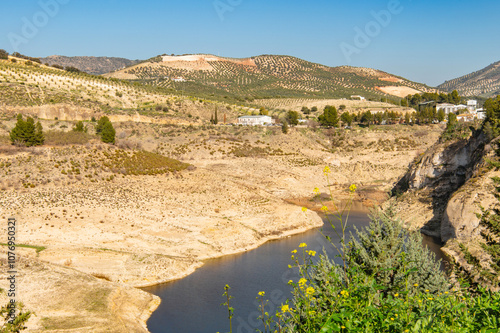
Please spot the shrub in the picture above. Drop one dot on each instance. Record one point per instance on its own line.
(60, 138)
(79, 127)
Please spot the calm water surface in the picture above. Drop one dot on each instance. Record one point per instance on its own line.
(193, 304)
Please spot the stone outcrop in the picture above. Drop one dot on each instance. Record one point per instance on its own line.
(450, 178)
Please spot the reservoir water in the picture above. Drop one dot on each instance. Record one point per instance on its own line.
(193, 304)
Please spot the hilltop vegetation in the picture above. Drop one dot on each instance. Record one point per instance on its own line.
(266, 76)
(484, 83)
(90, 65)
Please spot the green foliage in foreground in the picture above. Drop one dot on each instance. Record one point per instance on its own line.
(16, 324)
(387, 282)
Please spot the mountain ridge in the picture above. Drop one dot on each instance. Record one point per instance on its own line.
(484, 82)
(266, 76)
(90, 64)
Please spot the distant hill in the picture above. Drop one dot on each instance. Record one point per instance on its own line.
(484, 83)
(265, 76)
(91, 65)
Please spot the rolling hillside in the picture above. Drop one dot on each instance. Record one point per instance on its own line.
(266, 76)
(484, 83)
(91, 65)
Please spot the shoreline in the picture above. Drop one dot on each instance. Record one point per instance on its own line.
(358, 206)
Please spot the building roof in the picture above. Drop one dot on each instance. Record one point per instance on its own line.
(253, 117)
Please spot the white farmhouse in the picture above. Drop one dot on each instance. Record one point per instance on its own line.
(255, 120)
(450, 108)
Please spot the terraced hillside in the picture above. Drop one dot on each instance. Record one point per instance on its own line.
(24, 84)
(484, 83)
(266, 76)
(90, 65)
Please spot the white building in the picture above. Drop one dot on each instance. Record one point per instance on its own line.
(449, 108)
(255, 120)
(481, 114)
(358, 97)
(472, 105)
(179, 79)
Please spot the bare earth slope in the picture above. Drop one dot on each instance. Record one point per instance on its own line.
(143, 230)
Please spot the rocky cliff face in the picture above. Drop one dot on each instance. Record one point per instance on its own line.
(445, 193)
(450, 182)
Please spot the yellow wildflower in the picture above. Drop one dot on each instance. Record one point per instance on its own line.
(344, 293)
(392, 318)
(324, 209)
(290, 282)
(316, 190)
(303, 245)
(427, 290)
(302, 281)
(353, 188)
(304, 209)
(294, 251)
(326, 170)
(312, 313)
(342, 326)
(415, 285)
(396, 295)
(311, 253)
(262, 293)
(285, 308)
(310, 291)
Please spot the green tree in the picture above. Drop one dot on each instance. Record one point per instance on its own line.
(346, 118)
(441, 115)
(100, 124)
(314, 109)
(452, 120)
(330, 117)
(39, 138)
(407, 118)
(4, 54)
(454, 97)
(27, 133)
(305, 110)
(366, 118)
(292, 117)
(216, 120)
(263, 111)
(108, 133)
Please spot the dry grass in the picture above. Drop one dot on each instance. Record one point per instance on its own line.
(60, 138)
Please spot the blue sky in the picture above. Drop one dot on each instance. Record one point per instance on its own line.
(422, 40)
